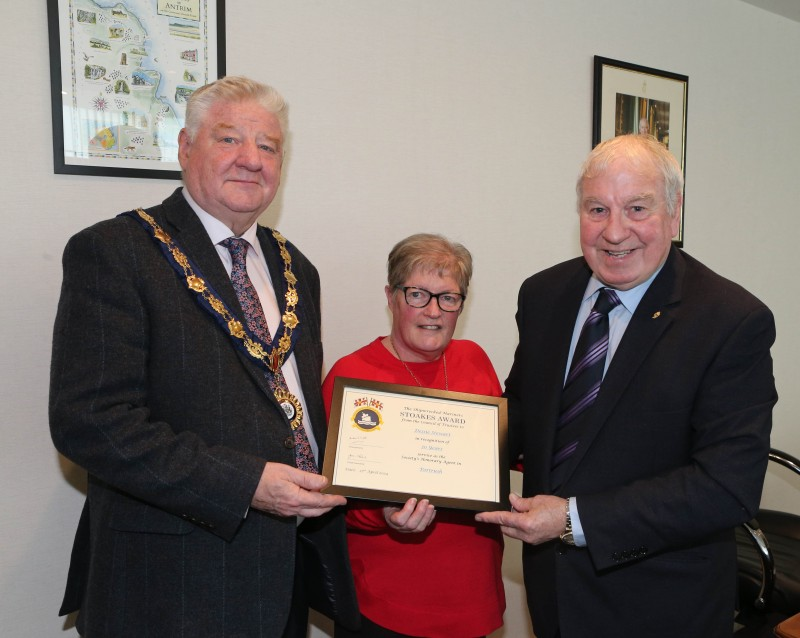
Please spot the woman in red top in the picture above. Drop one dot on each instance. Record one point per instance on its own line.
(419, 572)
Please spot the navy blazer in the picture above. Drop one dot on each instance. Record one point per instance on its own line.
(174, 425)
(673, 459)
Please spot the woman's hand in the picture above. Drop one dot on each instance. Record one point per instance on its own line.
(414, 517)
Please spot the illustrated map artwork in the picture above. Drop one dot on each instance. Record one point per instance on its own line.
(132, 67)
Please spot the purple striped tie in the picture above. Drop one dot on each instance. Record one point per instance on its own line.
(583, 382)
(257, 323)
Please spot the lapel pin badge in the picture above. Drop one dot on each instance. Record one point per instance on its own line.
(656, 315)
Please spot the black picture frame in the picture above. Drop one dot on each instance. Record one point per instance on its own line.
(629, 97)
(109, 135)
(390, 442)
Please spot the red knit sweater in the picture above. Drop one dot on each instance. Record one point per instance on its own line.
(446, 581)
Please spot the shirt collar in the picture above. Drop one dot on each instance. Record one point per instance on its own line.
(218, 231)
(628, 298)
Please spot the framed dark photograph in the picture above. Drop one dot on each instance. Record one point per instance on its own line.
(629, 98)
(120, 76)
(390, 442)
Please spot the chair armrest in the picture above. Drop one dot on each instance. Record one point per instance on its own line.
(785, 459)
(767, 563)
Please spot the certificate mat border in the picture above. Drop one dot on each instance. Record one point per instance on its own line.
(456, 502)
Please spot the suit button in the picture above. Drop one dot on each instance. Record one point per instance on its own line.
(288, 442)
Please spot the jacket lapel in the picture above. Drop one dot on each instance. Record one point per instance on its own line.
(554, 326)
(652, 317)
(189, 233)
(305, 359)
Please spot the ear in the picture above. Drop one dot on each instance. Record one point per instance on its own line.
(184, 145)
(389, 292)
(675, 222)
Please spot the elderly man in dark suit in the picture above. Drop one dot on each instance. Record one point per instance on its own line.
(186, 381)
(645, 442)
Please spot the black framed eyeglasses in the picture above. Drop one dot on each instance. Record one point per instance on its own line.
(419, 298)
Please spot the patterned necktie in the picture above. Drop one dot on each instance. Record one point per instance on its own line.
(583, 382)
(257, 324)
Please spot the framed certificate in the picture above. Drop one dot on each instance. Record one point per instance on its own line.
(390, 442)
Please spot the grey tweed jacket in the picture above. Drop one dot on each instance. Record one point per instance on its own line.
(173, 426)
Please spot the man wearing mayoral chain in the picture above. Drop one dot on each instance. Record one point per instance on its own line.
(186, 380)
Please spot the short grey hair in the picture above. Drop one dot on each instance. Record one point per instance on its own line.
(429, 253)
(234, 89)
(642, 151)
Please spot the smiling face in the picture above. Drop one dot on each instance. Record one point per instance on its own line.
(422, 334)
(626, 226)
(232, 165)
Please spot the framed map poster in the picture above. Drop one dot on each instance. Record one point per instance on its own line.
(121, 74)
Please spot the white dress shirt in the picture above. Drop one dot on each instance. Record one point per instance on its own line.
(618, 320)
(258, 272)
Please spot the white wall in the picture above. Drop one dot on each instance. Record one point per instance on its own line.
(466, 117)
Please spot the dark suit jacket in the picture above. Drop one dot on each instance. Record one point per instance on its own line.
(673, 459)
(174, 426)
